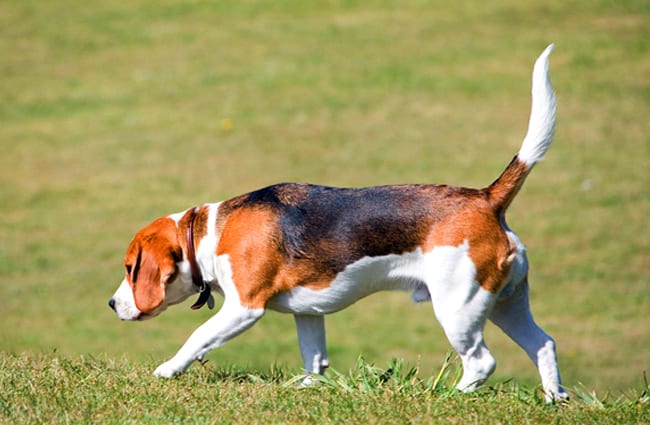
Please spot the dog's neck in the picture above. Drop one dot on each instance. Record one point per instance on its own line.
(200, 253)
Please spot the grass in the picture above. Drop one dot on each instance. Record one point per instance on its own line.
(91, 390)
(112, 115)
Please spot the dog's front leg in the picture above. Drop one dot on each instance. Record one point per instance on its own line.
(311, 337)
(229, 322)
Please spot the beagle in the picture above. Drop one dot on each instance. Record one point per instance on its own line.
(313, 250)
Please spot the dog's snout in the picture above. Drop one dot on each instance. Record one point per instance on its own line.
(111, 303)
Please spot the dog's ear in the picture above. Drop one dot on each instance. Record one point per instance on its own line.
(150, 276)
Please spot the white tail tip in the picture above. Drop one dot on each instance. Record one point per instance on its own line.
(542, 115)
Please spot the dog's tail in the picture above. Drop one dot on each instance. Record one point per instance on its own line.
(537, 141)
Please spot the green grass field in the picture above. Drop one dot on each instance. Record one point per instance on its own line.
(87, 390)
(112, 114)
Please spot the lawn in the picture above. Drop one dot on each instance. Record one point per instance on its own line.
(48, 389)
(112, 114)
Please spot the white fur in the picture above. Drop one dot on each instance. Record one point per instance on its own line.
(182, 288)
(542, 115)
(177, 216)
(207, 245)
(125, 303)
(312, 341)
(513, 316)
(388, 272)
(231, 320)
(461, 306)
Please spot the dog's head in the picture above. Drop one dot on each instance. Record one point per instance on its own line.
(156, 275)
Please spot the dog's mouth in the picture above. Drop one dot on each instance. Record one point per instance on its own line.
(144, 316)
(139, 317)
(151, 314)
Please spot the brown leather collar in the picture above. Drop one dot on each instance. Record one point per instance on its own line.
(197, 278)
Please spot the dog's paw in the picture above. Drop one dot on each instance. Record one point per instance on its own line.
(168, 370)
(308, 381)
(560, 396)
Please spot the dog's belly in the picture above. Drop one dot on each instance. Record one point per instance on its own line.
(358, 280)
(417, 271)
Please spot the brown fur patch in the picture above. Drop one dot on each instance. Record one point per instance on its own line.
(250, 237)
(150, 262)
(200, 227)
(506, 187)
(489, 247)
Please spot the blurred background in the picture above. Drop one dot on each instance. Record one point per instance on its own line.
(114, 113)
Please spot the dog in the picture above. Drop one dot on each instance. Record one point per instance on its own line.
(312, 250)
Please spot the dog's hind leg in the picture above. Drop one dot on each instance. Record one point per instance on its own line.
(512, 314)
(311, 337)
(463, 319)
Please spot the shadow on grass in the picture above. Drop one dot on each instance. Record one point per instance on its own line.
(238, 374)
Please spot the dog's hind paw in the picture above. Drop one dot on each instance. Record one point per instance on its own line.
(560, 396)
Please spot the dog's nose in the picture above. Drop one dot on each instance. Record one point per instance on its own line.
(111, 303)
